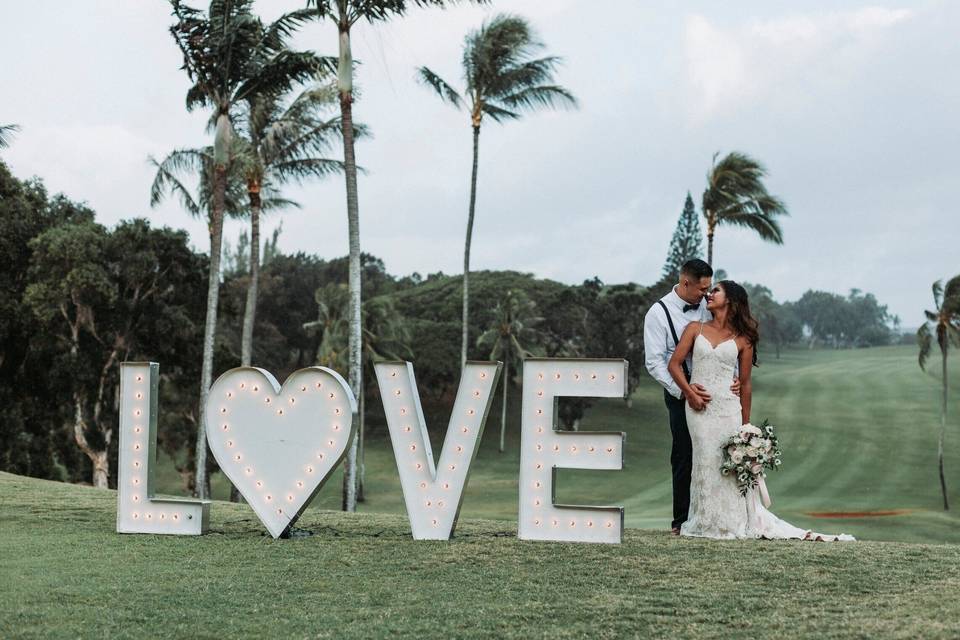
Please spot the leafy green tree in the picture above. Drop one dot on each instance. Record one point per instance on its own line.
(283, 143)
(944, 323)
(231, 57)
(33, 440)
(345, 14)
(512, 338)
(6, 134)
(736, 195)
(687, 241)
(108, 297)
(823, 315)
(504, 80)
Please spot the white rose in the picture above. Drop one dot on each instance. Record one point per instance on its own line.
(756, 443)
(751, 451)
(737, 456)
(749, 428)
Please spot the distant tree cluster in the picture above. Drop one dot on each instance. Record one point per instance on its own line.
(857, 320)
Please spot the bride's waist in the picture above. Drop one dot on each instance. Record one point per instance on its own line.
(719, 389)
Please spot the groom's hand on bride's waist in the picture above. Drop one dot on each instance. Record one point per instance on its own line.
(735, 387)
(698, 397)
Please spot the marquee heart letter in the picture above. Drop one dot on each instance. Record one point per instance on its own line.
(278, 445)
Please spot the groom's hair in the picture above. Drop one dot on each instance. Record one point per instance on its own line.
(696, 269)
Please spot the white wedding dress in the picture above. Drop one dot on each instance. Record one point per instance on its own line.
(717, 510)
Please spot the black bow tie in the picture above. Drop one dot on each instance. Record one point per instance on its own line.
(690, 307)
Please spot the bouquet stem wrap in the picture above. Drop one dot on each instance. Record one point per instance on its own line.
(764, 496)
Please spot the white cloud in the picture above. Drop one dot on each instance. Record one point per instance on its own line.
(728, 66)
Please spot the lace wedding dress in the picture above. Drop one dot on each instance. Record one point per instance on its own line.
(717, 510)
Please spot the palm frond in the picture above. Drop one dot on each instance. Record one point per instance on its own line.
(937, 293)
(303, 168)
(167, 179)
(547, 96)
(443, 89)
(499, 114)
(951, 297)
(767, 228)
(517, 76)
(6, 134)
(924, 341)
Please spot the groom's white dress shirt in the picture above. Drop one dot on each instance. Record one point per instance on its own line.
(658, 344)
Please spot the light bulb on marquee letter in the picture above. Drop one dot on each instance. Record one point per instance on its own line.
(278, 445)
(137, 510)
(544, 449)
(433, 494)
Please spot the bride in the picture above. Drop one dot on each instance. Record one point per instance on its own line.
(717, 510)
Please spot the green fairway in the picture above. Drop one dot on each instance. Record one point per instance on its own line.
(65, 573)
(858, 429)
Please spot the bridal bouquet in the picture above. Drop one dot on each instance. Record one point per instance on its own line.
(746, 456)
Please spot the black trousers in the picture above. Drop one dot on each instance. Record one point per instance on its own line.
(681, 458)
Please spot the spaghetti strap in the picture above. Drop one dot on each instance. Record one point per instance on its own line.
(701, 327)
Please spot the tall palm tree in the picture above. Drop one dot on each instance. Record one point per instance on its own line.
(735, 195)
(345, 14)
(512, 338)
(6, 134)
(944, 322)
(281, 144)
(230, 55)
(504, 80)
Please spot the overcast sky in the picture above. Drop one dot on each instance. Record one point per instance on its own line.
(852, 106)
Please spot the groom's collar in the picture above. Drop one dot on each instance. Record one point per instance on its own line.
(674, 298)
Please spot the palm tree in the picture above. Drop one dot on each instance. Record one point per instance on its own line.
(736, 195)
(6, 134)
(504, 79)
(944, 322)
(385, 337)
(281, 144)
(231, 56)
(345, 14)
(512, 338)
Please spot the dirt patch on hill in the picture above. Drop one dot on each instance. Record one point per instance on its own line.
(858, 514)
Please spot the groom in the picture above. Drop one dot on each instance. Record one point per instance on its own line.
(662, 327)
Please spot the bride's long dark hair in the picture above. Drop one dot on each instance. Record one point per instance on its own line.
(741, 320)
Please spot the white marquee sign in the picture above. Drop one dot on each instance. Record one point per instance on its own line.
(433, 492)
(544, 449)
(137, 510)
(278, 445)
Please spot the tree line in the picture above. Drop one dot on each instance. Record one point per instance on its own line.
(80, 298)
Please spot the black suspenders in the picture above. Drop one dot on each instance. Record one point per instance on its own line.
(676, 339)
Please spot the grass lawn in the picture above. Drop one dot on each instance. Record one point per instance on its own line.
(65, 573)
(858, 428)
(859, 431)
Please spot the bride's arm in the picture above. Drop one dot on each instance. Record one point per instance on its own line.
(675, 367)
(746, 384)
